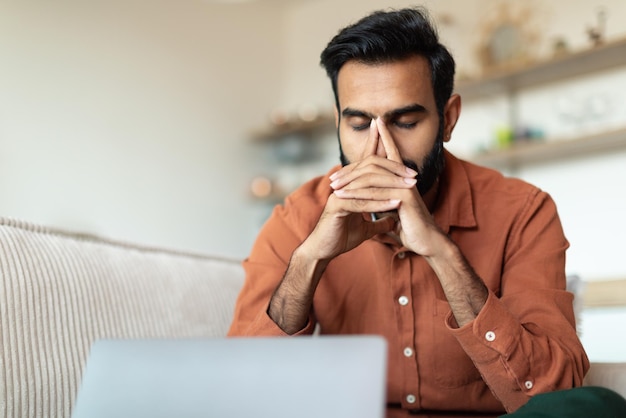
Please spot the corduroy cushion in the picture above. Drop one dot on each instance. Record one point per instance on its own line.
(608, 375)
(59, 292)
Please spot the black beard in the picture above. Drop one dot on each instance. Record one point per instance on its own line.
(428, 173)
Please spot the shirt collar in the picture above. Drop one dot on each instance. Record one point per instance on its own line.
(455, 206)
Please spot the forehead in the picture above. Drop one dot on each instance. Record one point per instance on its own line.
(385, 86)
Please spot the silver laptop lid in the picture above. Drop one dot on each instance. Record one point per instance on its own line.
(338, 376)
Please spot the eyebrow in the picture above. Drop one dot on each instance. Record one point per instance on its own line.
(392, 114)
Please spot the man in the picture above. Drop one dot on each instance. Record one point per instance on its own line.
(461, 269)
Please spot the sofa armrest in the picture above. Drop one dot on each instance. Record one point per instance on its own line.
(608, 375)
(60, 291)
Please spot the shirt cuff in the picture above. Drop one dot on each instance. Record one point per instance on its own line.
(492, 334)
(265, 326)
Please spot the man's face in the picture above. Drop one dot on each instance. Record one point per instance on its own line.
(401, 94)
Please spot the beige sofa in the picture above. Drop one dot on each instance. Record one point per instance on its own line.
(60, 291)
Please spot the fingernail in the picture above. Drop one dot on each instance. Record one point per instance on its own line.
(340, 192)
(411, 172)
(373, 127)
(334, 176)
(410, 181)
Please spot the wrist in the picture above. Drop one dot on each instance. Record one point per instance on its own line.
(291, 302)
(442, 248)
(306, 258)
(310, 252)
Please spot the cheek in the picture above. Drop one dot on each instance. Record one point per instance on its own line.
(415, 144)
(352, 142)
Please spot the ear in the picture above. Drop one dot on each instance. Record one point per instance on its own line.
(336, 114)
(451, 113)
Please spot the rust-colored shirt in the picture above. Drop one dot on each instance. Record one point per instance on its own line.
(522, 343)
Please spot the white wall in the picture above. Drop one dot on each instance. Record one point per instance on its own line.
(130, 118)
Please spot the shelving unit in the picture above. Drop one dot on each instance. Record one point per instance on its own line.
(608, 56)
(603, 57)
(510, 82)
(292, 145)
(528, 153)
(301, 128)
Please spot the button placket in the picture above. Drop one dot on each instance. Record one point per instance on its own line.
(401, 281)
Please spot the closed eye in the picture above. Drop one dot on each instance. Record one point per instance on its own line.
(403, 125)
(360, 127)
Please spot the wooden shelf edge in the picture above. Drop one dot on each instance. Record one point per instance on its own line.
(605, 56)
(304, 128)
(531, 153)
(604, 293)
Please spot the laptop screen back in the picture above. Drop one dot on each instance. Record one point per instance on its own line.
(339, 376)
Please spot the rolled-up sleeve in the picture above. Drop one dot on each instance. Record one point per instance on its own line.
(251, 318)
(524, 340)
(265, 267)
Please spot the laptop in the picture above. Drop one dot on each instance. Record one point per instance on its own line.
(320, 376)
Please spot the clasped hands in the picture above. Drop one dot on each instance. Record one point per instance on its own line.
(378, 183)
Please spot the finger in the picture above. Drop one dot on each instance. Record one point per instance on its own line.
(341, 174)
(347, 206)
(372, 141)
(376, 179)
(387, 140)
(377, 193)
(373, 165)
(371, 145)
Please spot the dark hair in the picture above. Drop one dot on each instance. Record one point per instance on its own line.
(388, 36)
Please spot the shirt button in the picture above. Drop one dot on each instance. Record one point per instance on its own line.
(403, 300)
(401, 255)
(408, 352)
(490, 336)
(410, 398)
(528, 384)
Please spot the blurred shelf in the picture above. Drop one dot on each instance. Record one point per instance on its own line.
(605, 293)
(602, 57)
(272, 199)
(302, 128)
(528, 153)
